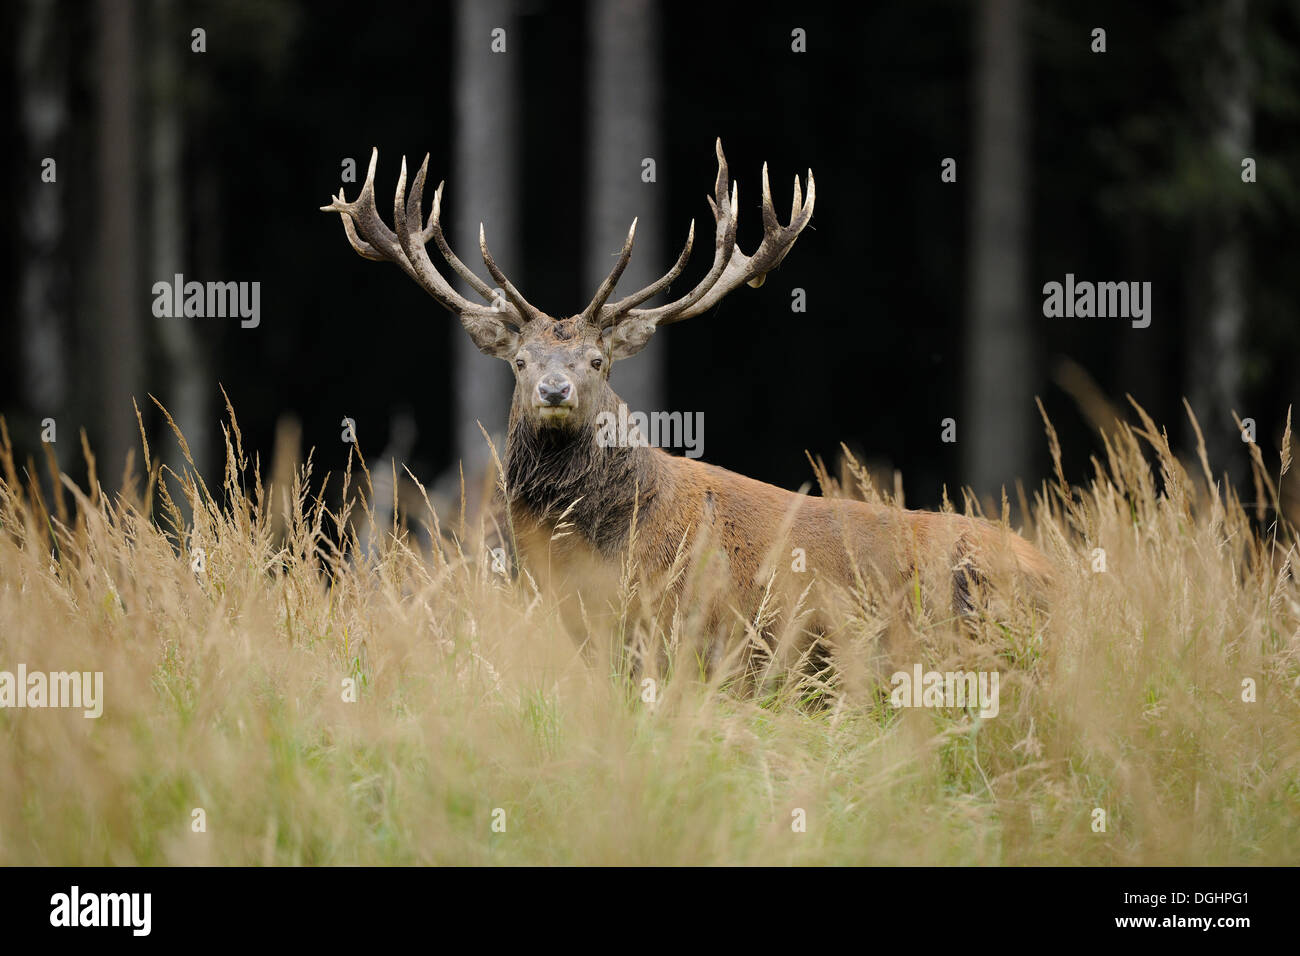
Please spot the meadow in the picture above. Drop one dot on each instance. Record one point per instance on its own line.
(290, 681)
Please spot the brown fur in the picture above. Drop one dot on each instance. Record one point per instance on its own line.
(687, 511)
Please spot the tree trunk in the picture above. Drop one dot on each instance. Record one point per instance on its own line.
(1215, 355)
(483, 187)
(43, 304)
(118, 344)
(996, 436)
(186, 388)
(623, 130)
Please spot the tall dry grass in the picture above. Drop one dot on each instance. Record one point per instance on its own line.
(224, 691)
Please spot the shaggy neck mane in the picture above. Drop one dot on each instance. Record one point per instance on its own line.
(548, 469)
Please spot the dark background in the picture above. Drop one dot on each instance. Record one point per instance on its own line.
(1126, 177)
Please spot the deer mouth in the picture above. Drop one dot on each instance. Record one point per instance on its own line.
(554, 414)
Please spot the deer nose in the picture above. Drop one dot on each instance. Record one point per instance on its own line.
(554, 390)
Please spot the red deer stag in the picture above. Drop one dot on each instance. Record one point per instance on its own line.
(641, 499)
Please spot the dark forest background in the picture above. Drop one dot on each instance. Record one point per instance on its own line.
(924, 297)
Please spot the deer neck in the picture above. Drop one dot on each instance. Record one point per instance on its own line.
(549, 469)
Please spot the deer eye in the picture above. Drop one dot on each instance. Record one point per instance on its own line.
(519, 363)
(597, 363)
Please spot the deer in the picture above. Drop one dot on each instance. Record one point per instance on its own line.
(672, 515)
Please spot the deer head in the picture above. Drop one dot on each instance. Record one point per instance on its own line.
(562, 366)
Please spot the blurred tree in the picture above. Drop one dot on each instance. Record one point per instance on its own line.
(115, 324)
(995, 435)
(1224, 88)
(623, 130)
(43, 303)
(1215, 356)
(483, 187)
(187, 386)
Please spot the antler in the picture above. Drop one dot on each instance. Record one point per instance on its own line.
(730, 268)
(371, 238)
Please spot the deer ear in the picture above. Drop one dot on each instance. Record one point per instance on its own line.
(491, 335)
(629, 337)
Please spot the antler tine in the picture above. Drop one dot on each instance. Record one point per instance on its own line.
(371, 238)
(434, 230)
(406, 211)
(607, 287)
(362, 247)
(724, 174)
(379, 241)
(726, 220)
(610, 314)
(770, 222)
(526, 309)
(724, 212)
(732, 267)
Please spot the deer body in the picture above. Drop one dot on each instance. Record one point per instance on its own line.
(662, 512)
(580, 508)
